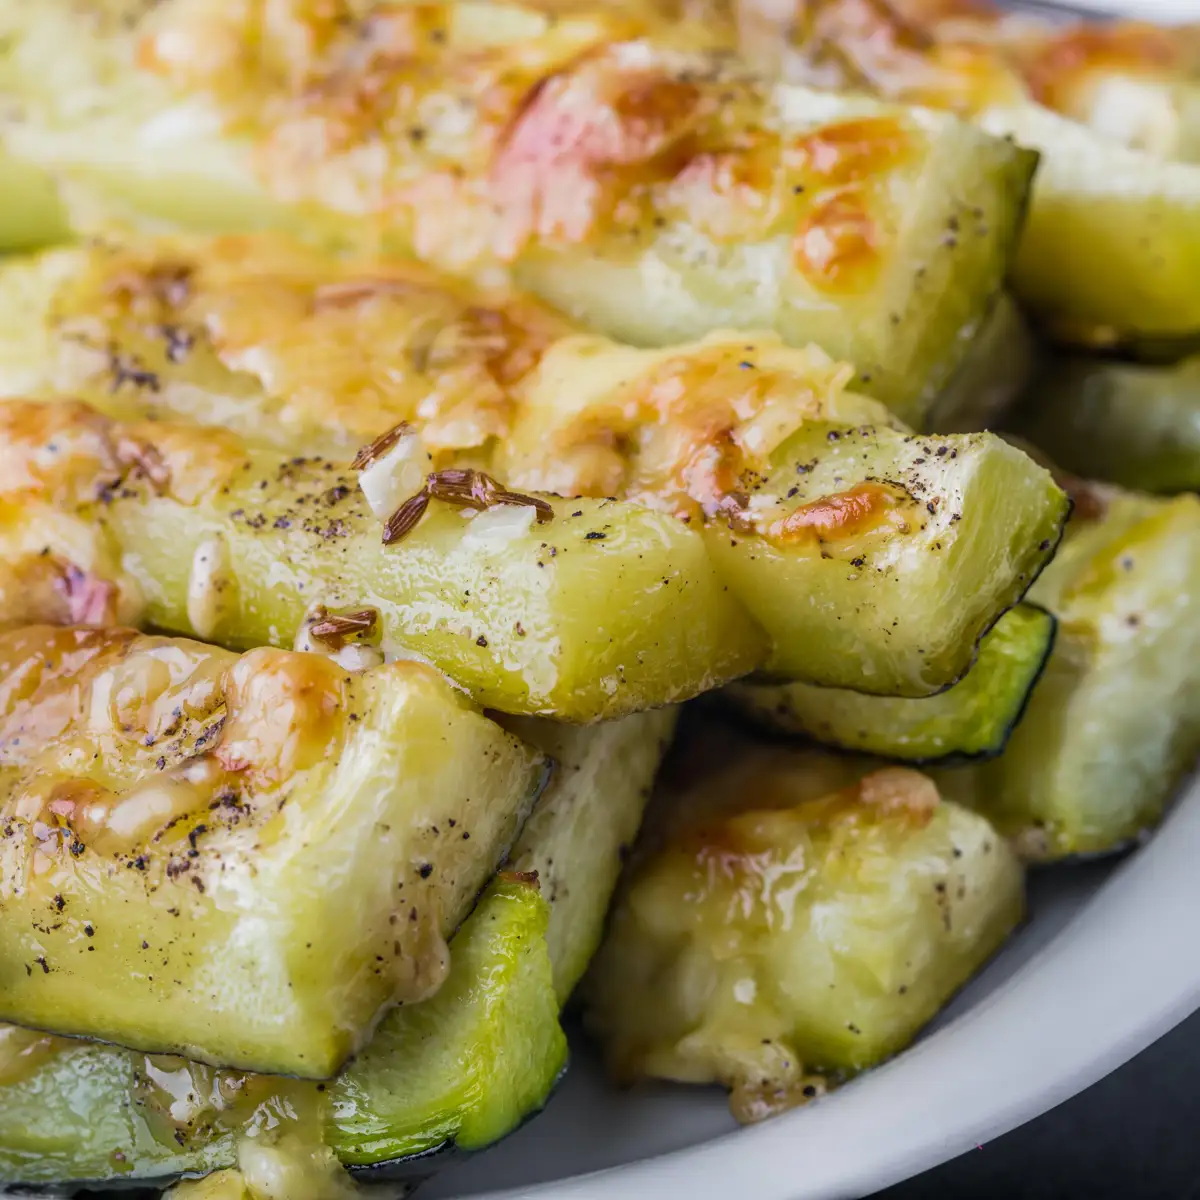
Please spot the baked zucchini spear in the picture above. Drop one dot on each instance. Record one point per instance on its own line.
(737, 434)
(458, 1070)
(409, 1096)
(785, 935)
(904, 549)
(1131, 424)
(635, 176)
(292, 349)
(581, 831)
(189, 530)
(972, 719)
(1114, 721)
(1110, 252)
(170, 814)
(1110, 255)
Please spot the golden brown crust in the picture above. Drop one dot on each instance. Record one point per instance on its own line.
(353, 346)
(843, 516)
(491, 384)
(682, 430)
(68, 455)
(180, 721)
(511, 128)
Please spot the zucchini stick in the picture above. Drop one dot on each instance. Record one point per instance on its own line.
(780, 935)
(1134, 425)
(1110, 254)
(583, 827)
(1115, 720)
(973, 719)
(737, 434)
(634, 176)
(397, 1100)
(576, 617)
(206, 854)
(458, 1070)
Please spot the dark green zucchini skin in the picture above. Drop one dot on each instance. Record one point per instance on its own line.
(970, 721)
(1132, 424)
(414, 1169)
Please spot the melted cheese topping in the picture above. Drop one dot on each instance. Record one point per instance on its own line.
(68, 455)
(680, 429)
(844, 516)
(509, 128)
(116, 737)
(353, 348)
(966, 56)
(360, 347)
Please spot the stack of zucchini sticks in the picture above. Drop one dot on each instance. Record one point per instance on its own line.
(419, 423)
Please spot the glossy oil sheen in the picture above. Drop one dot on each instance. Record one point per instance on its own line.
(784, 937)
(461, 1068)
(205, 854)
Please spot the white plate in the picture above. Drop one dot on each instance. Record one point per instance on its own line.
(1107, 964)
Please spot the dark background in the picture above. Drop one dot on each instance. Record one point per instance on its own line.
(1135, 1135)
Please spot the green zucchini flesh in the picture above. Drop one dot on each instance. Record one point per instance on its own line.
(1111, 250)
(972, 719)
(487, 1052)
(1114, 722)
(282, 343)
(32, 214)
(880, 232)
(169, 814)
(780, 937)
(906, 551)
(575, 617)
(1129, 424)
(581, 831)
